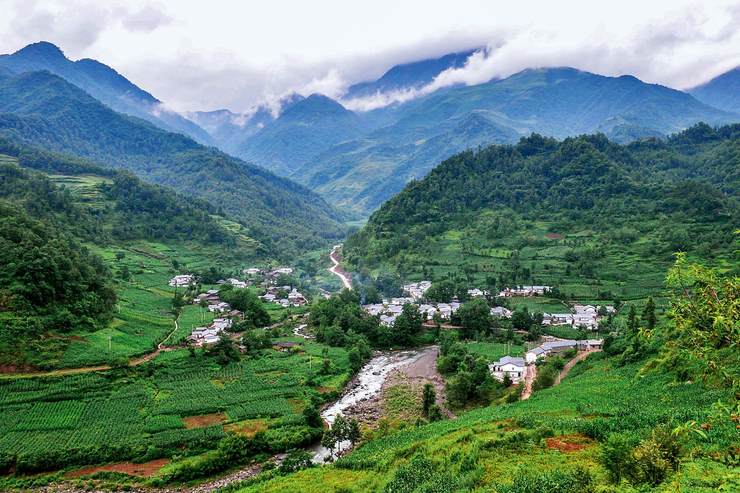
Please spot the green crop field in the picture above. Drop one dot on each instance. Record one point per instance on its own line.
(553, 432)
(493, 351)
(120, 413)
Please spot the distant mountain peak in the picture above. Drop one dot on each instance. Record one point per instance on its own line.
(43, 50)
(44, 47)
(411, 75)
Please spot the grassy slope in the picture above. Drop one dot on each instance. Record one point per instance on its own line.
(491, 446)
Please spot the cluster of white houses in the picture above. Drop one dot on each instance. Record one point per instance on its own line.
(585, 316)
(268, 273)
(182, 280)
(389, 310)
(415, 293)
(417, 290)
(210, 334)
(525, 291)
(284, 296)
(516, 367)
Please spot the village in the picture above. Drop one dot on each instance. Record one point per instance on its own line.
(582, 316)
(511, 368)
(284, 295)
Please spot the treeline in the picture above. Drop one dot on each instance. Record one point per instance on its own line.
(130, 209)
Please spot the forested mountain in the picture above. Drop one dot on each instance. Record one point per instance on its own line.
(52, 204)
(555, 102)
(408, 76)
(43, 109)
(104, 84)
(547, 212)
(722, 92)
(305, 127)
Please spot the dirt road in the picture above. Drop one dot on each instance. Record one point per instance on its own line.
(336, 269)
(570, 364)
(529, 376)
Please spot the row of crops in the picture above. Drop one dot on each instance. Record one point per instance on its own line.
(145, 406)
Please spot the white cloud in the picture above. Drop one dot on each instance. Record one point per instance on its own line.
(226, 53)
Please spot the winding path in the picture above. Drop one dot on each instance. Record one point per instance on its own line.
(570, 364)
(336, 269)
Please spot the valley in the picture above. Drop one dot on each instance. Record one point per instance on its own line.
(426, 276)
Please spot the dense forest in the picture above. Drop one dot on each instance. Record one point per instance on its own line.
(42, 109)
(594, 199)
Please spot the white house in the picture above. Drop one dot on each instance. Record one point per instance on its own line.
(416, 290)
(533, 355)
(476, 293)
(512, 366)
(219, 307)
(525, 291)
(252, 271)
(182, 280)
(237, 283)
(501, 312)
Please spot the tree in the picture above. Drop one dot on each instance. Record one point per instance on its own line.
(407, 325)
(648, 314)
(632, 320)
(355, 359)
(521, 319)
(224, 351)
(475, 316)
(703, 334)
(435, 413)
(120, 256)
(353, 433)
(313, 417)
(428, 398)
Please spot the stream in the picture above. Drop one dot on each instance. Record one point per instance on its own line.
(365, 385)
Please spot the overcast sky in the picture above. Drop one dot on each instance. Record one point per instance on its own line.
(195, 54)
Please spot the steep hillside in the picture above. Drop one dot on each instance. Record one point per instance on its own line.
(594, 218)
(43, 109)
(722, 92)
(104, 84)
(554, 102)
(305, 128)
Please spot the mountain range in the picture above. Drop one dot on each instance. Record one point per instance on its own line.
(358, 159)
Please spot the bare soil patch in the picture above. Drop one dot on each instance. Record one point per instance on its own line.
(143, 470)
(554, 236)
(568, 443)
(204, 420)
(247, 428)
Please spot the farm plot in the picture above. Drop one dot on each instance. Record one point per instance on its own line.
(117, 414)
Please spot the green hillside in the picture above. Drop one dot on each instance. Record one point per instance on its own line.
(75, 237)
(44, 110)
(596, 219)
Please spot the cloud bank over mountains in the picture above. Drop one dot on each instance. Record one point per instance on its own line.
(238, 55)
